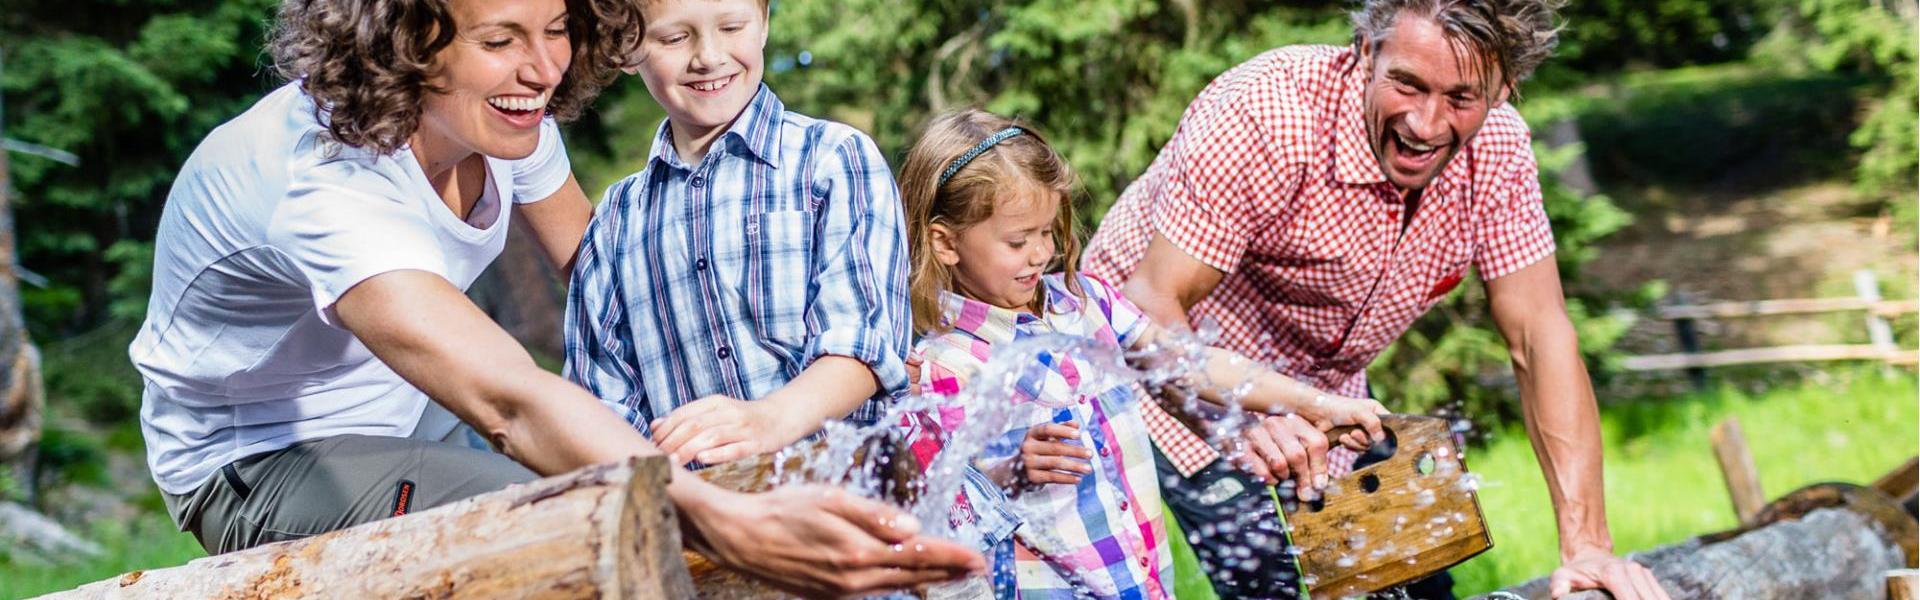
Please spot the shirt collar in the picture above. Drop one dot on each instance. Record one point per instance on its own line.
(756, 133)
(996, 325)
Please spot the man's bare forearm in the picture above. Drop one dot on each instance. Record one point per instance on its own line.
(1563, 423)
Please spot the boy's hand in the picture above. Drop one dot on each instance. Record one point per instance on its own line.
(718, 429)
(1046, 456)
(1328, 411)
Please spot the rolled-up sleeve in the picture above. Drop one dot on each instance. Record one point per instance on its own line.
(861, 308)
(599, 350)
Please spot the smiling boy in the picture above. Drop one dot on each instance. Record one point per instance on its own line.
(760, 255)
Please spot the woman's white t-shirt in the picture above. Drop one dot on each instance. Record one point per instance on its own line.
(265, 228)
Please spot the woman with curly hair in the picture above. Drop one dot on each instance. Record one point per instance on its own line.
(308, 351)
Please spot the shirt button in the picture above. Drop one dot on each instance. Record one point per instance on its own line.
(724, 352)
(698, 181)
(700, 264)
(1124, 505)
(1103, 451)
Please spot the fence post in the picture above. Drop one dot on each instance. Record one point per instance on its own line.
(1736, 466)
(1689, 336)
(1879, 331)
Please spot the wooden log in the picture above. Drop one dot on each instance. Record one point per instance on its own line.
(1831, 553)
(1736, 466)
(1822, 541)
(605, 531)
(1395, 521)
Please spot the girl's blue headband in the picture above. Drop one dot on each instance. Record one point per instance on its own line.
(976, 151)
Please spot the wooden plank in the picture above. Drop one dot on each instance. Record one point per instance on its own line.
(604, 531)
(1796, 306)
(1902, 480)
(1394, 521)
(1779, 354)
(1736, 466)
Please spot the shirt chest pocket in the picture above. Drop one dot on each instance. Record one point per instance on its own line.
(778, 274)
(1447, 266)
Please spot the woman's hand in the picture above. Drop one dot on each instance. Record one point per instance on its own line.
(821, 542)
(718, 429)
(1048, 456)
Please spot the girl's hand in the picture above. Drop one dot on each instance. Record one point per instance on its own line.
(1328, 411)
(718, 429)
(1046, 456)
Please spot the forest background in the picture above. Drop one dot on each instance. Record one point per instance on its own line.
(1691, 150)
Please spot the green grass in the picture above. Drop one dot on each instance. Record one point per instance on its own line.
(1663, 485)
(1662, 482)
(145, 543)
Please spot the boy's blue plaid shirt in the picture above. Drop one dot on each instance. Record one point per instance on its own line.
(786, 243)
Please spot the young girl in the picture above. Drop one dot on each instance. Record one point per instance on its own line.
(990, 215)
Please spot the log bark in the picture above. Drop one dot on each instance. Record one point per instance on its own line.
(605, 531)
(1824, 541)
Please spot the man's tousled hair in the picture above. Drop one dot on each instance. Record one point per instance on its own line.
(1513, 36)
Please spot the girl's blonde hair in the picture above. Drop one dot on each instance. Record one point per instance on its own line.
(967, 197)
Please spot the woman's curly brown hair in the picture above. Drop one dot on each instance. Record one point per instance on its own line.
(366, 63)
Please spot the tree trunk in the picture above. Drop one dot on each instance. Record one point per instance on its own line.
(1824, 541)
(605, 531)
(524, 294)
(20, 398)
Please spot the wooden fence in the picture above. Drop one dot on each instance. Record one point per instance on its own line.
(1876, 311)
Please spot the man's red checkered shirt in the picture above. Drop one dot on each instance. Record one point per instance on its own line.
(1270, 179)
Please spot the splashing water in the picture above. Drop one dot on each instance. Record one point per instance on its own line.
(993, 402)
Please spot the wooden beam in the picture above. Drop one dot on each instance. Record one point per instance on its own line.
(1796, 306)
(1780, 354)
(604, 531)
(1736, 466)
